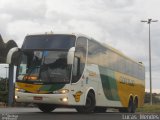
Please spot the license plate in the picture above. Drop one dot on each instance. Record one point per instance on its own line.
(37, 98)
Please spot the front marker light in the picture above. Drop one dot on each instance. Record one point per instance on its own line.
(62, 91)
(30, 77)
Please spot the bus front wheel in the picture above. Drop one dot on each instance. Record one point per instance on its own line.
(46, 107)
(90, 104)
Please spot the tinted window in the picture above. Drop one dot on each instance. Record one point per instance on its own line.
(49, 42)
(96, 53)
(80, 58)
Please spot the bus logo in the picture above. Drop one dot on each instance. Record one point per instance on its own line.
(127, 81)
(77, 96)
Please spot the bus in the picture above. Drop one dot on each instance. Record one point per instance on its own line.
(76, 71)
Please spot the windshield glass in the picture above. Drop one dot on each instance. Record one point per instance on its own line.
(49, 41)
(44, 66)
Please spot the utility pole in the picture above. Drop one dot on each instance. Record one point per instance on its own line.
(6, 78)
(149, 21)
(11, 85)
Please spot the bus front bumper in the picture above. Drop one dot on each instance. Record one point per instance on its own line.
(61, 99)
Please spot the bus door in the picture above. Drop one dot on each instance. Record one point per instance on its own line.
(78, 71)
(78, 81)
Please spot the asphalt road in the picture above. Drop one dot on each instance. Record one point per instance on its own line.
(67, 114)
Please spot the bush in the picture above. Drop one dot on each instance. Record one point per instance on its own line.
(4, 90)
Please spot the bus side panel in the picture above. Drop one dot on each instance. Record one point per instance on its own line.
(130, 86)
(107, 94)
(118, 87)
(109, 84)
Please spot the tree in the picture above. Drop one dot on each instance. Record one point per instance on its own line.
(154, 98)
(4, 48)
(4, 90)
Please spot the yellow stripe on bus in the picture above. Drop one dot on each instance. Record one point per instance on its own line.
(128, 86)
(30, 87)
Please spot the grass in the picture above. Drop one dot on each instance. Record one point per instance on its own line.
(147, 108)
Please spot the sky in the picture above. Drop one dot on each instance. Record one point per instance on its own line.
(114, 22)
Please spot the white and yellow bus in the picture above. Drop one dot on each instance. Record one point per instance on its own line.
(72, 70)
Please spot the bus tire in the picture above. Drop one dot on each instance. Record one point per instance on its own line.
(128, 109)
(90, 104)
(130, 106)
(100, 109)
(46, 107)
(135, 105)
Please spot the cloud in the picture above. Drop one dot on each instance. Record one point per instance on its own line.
(24, 9)
(17, 27)
(4, 20)
(153, 91)
(12, 12)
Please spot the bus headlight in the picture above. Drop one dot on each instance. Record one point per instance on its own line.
(16, 97)
(62, 91)
(20, 90)
(64, 99)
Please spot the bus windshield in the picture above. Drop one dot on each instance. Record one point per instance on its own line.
(50, 42)
(44, 67)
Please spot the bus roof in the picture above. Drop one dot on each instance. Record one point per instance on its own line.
(103, 44)
(118, 52)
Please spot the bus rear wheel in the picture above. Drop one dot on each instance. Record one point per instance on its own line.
(90, 104)
(46, 107)
(130, 109)
(135, 105)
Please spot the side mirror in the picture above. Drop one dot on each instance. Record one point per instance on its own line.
(76, 66)
(70, 56)
(13, 56)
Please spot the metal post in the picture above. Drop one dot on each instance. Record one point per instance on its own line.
(150, 69)
(6, 89)
(150, 66)
(11, 85)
